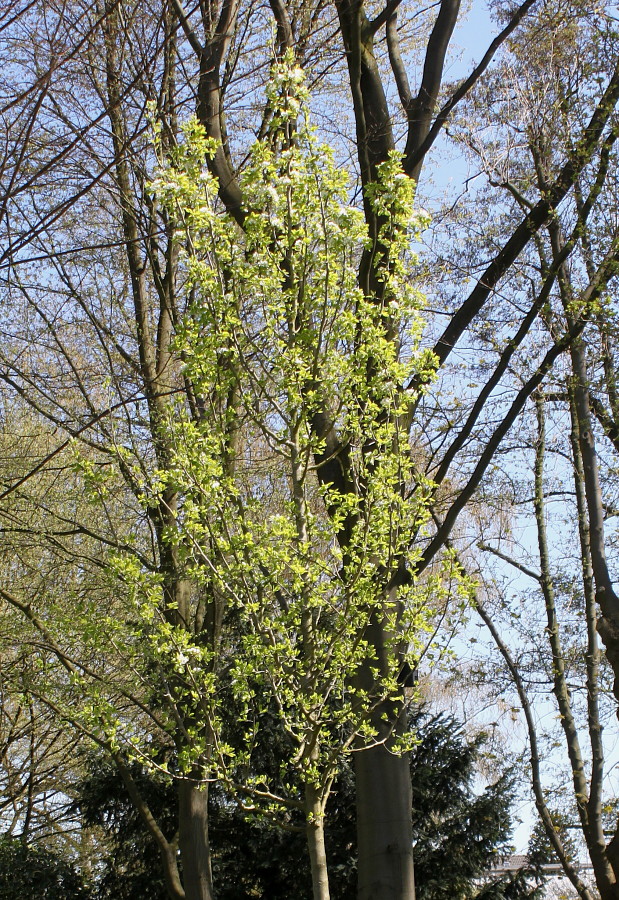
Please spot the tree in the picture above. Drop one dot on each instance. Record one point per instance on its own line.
(459, 835)
(39, 547)
(276, 324)
(93, 265)
(377, 772)
(29, 873)
(126, 856)
(572, 581)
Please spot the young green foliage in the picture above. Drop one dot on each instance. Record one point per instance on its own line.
(279, 333)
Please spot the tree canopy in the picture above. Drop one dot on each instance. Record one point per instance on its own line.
(257, 453)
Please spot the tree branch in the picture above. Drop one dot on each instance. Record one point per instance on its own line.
(536, 779)
(391, 7)
(532, 222)
(416, 154)
(419, 112)
(510, 561)
(185, 24)
(604, 273)
(397, 64)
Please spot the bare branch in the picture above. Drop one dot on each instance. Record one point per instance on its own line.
(416, 153)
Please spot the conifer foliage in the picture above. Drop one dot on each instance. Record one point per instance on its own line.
(460, 835)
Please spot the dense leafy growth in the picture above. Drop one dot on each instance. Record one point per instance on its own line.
(35, 873)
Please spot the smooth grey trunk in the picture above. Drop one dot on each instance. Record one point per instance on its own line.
(384, 828)
(193, 840)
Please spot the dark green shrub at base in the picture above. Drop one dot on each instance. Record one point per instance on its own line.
(34, 873)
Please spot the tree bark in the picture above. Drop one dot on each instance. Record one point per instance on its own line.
(315, 833)
(384, 829)
(193, 840)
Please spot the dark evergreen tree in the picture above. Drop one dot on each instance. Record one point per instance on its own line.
(459, 835)
(30, 872)
(130, 866)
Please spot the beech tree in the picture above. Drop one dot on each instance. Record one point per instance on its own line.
(93, 297)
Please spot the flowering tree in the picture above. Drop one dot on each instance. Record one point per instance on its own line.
(278, 329)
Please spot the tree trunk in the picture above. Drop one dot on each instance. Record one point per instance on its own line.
(384, 829)
(193, 840)
(315, 833)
